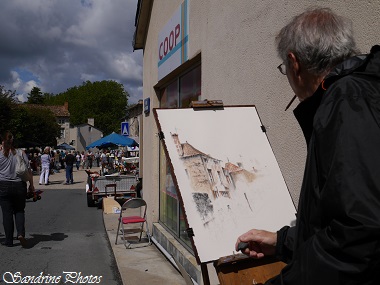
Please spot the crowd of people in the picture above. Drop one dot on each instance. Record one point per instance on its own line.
(50, 161)
(14, 188)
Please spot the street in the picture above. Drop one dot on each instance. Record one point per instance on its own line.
(67, 241)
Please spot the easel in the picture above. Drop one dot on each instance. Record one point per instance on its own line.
(235, 269)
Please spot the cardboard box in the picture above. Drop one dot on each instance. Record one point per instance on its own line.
(110, 206)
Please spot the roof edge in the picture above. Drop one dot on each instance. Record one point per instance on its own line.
(142, 19)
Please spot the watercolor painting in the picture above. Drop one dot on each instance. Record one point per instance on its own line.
(227, 175)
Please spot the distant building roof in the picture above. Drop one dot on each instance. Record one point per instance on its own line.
(143, 12)
(134, 110)
(232, 167)
(57, 110)
(85, 125)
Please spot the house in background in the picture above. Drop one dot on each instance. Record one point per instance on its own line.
(62, 115)
(78, 136)
(84, 134)
(134, 119)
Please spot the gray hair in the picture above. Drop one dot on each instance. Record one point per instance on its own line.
(319, 39)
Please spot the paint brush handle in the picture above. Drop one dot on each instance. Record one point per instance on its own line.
(242, 246)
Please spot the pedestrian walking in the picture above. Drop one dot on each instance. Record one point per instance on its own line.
(70, 160)
(45, 166)
(12, 191)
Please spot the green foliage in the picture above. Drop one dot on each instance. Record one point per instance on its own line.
(7, 104)
(47, 96)
(35, 96)
(105, 101)
(28, 125)
(34, 125)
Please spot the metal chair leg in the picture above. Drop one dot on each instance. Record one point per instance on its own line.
(123, 232)
(117, 232)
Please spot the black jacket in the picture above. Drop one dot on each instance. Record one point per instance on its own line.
(336, 239)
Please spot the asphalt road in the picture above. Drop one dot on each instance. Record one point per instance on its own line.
(64, 235)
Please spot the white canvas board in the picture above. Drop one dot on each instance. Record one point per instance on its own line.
(227, 175)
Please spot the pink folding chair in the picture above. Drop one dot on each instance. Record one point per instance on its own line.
(125, 220)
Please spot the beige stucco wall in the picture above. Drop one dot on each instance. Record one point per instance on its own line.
(83, 137)
(239, 60)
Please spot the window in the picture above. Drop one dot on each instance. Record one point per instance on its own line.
(220, 176)
(178, 94)
(210, 175)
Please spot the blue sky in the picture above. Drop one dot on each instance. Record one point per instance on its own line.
(55, 45)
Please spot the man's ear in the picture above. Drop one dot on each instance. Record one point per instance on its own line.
(294, 64)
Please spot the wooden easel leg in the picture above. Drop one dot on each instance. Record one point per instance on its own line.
(206, 278)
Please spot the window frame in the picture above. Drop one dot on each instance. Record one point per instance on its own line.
(179, 233)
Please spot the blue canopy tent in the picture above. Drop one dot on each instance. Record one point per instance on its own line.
(112, 140)
(65, 146)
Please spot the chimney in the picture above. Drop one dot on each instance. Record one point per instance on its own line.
(66, 105)
(177, 144)
(91, 121)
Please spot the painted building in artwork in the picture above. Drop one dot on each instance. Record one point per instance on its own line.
(210, 175)
(220, 50)
(237, 172)
(206, 174)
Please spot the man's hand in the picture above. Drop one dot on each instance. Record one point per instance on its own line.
(260, 243)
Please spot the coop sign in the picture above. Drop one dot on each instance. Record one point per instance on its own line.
(173, 41)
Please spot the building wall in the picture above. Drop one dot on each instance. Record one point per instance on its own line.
(134, 126)
(82, 136)
(239, 60)
(134, 117)
(74, 137)
(64, 123)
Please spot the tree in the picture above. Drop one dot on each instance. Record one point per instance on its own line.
(34, 125)
(105, 101)
(7, 104)
(47, 96)
(35, 96)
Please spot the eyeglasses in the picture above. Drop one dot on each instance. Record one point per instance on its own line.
(282, 68)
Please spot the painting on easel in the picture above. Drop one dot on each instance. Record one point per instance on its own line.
(228, 178)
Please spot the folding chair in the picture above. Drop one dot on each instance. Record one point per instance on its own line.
(124, 220)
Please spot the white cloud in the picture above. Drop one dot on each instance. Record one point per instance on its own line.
(88, 77)
(63, 43)
(127, 67)
(16, 80)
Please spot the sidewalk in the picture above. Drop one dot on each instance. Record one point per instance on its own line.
(145, 265)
